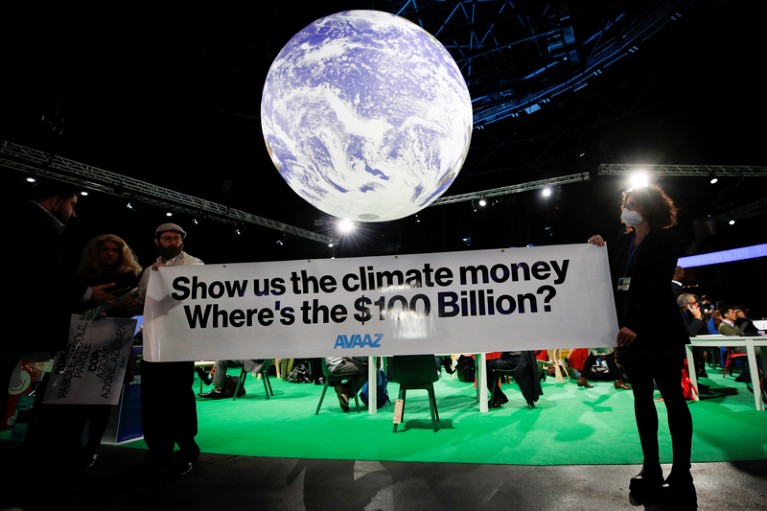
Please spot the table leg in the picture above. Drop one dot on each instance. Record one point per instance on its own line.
(482, 382)
(753, 370)
(372, 385)
(691, 372)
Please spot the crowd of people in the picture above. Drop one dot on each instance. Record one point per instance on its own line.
(655, 322)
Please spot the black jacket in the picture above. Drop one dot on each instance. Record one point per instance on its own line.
(648, 307)
(40, 291)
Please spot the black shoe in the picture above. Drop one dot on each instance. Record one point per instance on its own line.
(213, 394)
(89, 459)
(183, 468)
(643, 486)
(185, 459)
(203, 375)
(343, 400)
(497, 402)
(679, 496)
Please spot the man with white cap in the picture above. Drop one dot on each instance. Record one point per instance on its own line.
(168, 402)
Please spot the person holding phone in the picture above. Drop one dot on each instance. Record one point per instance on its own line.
(689, 306)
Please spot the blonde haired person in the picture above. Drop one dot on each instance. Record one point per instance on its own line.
(106, 258)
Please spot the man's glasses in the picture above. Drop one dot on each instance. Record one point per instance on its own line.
(170, 238)
(631, 206)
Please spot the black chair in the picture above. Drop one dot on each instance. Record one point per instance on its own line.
(333, 379)
(414, 372)
(264, 372)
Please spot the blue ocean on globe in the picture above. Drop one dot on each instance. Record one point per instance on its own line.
(366, 116)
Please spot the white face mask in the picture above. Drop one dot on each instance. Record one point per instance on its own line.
(631, 218)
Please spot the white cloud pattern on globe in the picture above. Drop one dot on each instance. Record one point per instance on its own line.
(366, 116)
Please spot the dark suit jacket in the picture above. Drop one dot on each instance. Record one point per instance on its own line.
(648, 307)
(40, 292)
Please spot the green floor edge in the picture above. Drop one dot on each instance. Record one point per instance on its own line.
(571, 425)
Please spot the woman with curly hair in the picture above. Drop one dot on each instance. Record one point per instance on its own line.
(651, 340)
(107, 258)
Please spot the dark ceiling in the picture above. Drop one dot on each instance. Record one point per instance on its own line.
(171, 95)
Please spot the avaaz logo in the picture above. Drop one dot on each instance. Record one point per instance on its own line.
(358, 341)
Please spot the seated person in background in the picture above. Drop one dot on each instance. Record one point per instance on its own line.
(444, 361)
(714, 321)
(355, 369)
(727, 326)
(217, 375)
(696, 325)
(608, 355)
(525, 367)
(744, 324)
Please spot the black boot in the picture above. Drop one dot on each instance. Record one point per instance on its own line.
(677, 493)
(644, 486)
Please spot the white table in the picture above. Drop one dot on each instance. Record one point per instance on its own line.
(714, 341)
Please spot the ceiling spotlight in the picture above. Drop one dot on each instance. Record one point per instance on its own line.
(195, 221)
(731, 222)
(237, 232)
(546, 192)
(639, 179)
(31, 180)
(84, 193)
(713, 180)
(346, 226)
(168, 214)
(482, 202)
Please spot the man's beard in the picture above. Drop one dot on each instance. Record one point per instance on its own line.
(170, 252)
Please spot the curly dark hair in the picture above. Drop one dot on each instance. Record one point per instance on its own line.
(658, 208)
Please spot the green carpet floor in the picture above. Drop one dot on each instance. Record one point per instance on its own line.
(570, 426)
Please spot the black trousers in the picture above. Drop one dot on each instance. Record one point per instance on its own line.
(646, 369)
(169, 410)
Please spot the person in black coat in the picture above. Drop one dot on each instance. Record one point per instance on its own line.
(651, 340)
(41, 296)
(42, 292)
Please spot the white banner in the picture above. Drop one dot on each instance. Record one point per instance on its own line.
(91, 370)
(457, 302)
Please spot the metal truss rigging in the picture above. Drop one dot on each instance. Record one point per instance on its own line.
(518, 56)
(613, 169)
(507, 190)
(39, 163)
(749, 210)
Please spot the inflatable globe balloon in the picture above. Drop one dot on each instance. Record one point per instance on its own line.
(366, 116)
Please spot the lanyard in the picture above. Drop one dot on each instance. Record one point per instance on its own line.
(632, 250)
